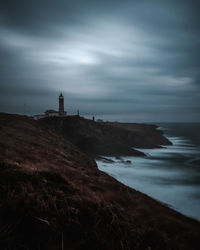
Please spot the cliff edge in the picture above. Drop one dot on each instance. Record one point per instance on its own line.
(107, 138)
(52, 196)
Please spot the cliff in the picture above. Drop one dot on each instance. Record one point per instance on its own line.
(106, 138)
(52, 196)
(142, 135)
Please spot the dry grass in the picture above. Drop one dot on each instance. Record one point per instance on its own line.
(53, 197)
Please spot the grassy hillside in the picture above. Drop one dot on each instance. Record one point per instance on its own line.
(52, 196)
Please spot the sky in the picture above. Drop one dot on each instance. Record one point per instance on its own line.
(131, 60)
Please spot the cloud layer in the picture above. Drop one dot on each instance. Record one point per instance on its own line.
(130, 60)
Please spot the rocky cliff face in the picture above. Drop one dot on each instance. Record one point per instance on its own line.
(52, 196)
(142, 135)
(111, 139)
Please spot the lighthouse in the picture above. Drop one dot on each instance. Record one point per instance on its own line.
(51, 112)
(61, 106)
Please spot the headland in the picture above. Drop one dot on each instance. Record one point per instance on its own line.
(52, 196)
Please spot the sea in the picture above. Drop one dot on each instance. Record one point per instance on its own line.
(170, 174)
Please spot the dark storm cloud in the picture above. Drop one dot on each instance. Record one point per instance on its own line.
(124, 59)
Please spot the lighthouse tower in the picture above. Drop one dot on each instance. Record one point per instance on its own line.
(61, 105)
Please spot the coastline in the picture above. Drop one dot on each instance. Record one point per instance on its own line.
(52, 195)
(107, 138)
(169, 174)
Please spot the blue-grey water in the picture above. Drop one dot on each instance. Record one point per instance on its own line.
(170, 174)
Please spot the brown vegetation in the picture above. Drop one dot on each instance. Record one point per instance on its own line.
(52, 196)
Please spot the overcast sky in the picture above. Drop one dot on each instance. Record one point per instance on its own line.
(131, 60)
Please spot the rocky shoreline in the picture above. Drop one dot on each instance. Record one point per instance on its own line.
(52, 196)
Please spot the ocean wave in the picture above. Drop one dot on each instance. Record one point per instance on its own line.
(168, 174)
